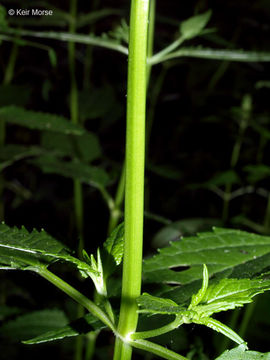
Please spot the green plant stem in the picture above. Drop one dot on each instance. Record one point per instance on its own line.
(134, 190)
(232, 324)
(8, 76)
(91, 344)
(246, 111)
(151, 37)
(77, 186)
(161, 55)
(157, 350)
(208, 53)
(68, 37)
(116, 213)
(77, 296)
(156, 332)
(89, 52)
(246, 318)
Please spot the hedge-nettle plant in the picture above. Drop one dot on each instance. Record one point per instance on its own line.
(222, 270)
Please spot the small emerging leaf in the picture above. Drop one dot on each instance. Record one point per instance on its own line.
(115, 244)
(193, 26)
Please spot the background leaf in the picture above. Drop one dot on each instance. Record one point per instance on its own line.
(74, 169)
(37, 120)
(75, 328)
(33, 324)
(85, 147)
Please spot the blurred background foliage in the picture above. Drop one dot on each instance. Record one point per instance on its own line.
(207, 143)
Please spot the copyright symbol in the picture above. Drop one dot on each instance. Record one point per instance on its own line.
(11, 12)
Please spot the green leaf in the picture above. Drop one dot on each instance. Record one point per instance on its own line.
(75, 328)
(121, 32)
(193, 26)
(12, 153)
(85, 147)
(222, 250)
(261, 130)
(73, 169)
(21, 249)
(97, 103)
(39, 121)
(240, 353)
(228, 294)
(114, 244)
(33, 324)
(223, 178)
(257, 172)
(156, 305)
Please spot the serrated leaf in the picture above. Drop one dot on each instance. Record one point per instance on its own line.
(115, 244)
(240, 353)
(33, 324)
(121, 32)
(156, 305)
(37, 120)
(20, 248)
(221, 250)
(113, 250)
(225, 295)
(75, 328)
(193, 26)
(85, 147)
(228, 294)
(73, 169)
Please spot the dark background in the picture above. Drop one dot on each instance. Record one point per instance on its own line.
(197, 117)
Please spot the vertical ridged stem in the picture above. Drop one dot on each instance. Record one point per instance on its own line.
(120, 192)
(77, 186)
(134, 190)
